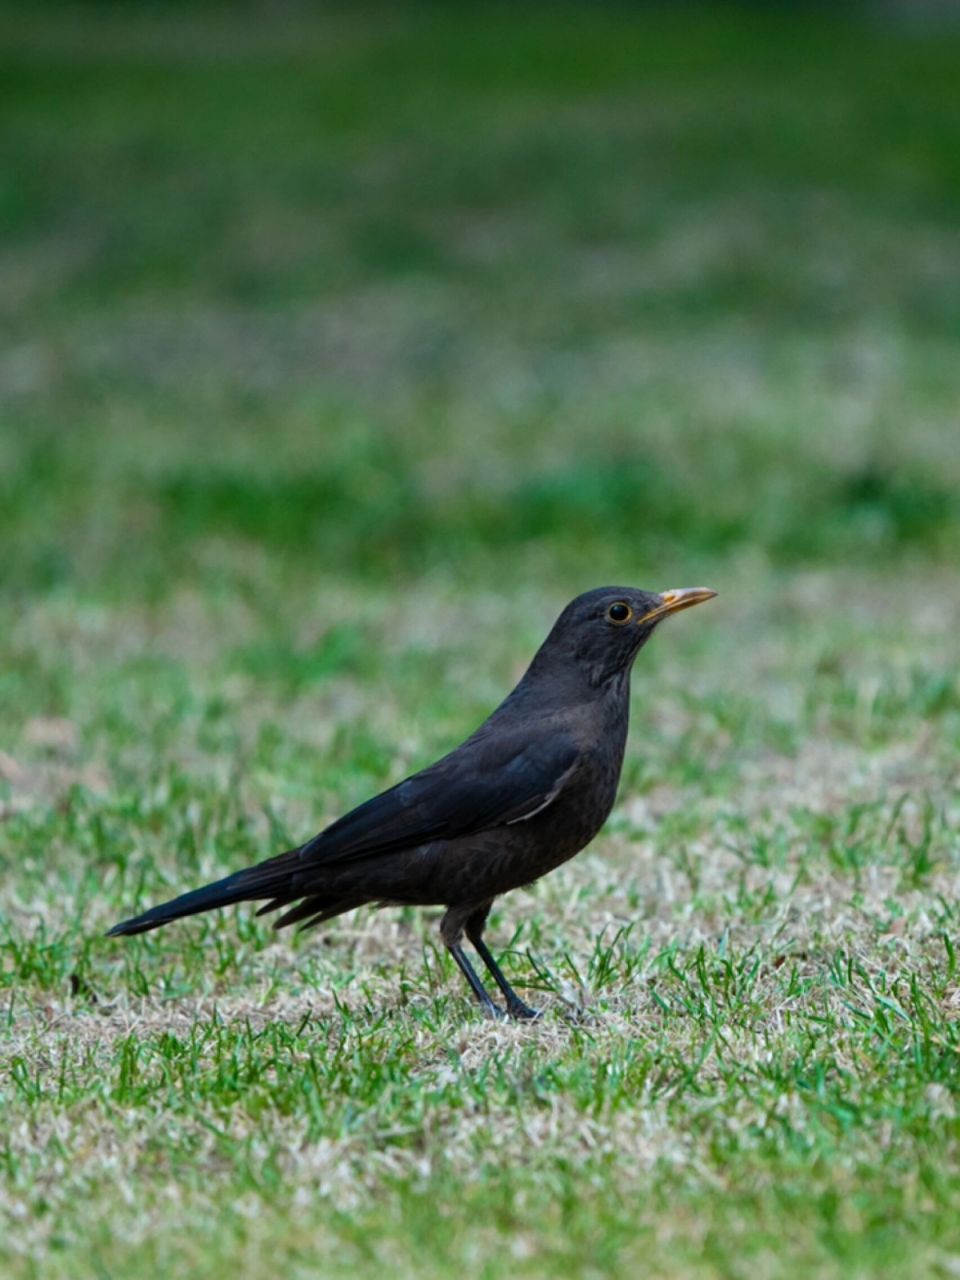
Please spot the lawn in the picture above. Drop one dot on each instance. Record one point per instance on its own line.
(338, 350)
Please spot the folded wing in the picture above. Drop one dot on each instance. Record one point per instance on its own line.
(482, 785)
(486, 783)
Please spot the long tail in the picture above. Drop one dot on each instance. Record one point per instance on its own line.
(273, 879)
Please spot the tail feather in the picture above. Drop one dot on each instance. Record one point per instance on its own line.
(328, 913)
(270, 879)
(315, 910)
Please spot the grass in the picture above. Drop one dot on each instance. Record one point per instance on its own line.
(338, 352)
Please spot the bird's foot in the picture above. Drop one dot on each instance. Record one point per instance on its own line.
(515, 1009)
(522, 1012)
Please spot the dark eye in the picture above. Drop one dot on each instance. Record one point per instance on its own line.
(620, 612)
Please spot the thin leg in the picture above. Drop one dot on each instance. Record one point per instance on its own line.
(515, 1006)
(451, 931)
(476, 986)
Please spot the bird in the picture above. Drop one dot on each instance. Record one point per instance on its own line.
(528, 790)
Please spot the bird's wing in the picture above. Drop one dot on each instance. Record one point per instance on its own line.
(484, 784)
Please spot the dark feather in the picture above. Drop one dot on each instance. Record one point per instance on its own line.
(510, 780)
(486, 783)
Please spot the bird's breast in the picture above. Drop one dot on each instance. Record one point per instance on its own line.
(584, 804)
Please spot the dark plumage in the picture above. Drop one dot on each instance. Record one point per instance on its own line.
(525, 792)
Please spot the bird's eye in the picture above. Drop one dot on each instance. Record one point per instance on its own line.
(620, 612)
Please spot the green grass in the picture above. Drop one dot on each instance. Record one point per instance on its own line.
(338, 352)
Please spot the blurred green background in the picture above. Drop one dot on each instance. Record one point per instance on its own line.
(553, 295)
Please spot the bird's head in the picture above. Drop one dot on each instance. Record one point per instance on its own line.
(603, 630)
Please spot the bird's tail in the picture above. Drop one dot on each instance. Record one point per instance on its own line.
(270, 879)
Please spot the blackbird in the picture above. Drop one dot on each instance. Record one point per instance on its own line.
(525, 792)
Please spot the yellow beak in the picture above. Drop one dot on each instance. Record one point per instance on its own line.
(674, 601)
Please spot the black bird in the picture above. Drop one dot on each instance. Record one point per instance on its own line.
(529, 789)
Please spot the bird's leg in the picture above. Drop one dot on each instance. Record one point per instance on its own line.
(451, 930)
(516, 1008)
(474, 930)
(479, 990)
